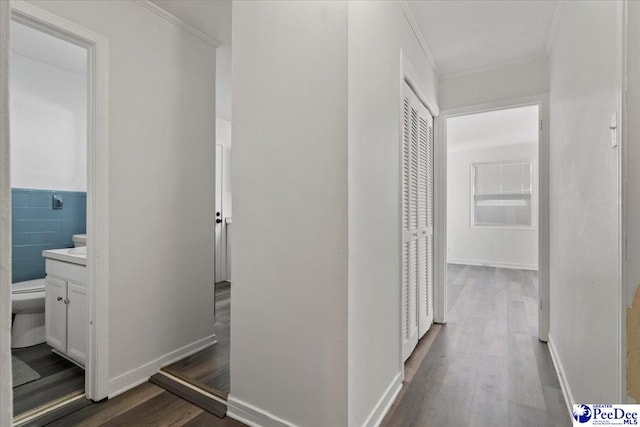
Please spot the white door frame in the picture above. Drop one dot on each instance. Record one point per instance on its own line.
(97, 46)
(6, 392)
(542, 101)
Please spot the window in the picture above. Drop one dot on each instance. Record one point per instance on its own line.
(501, 194)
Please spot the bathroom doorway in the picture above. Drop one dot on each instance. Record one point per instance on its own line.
(48, 84)
(58, 195)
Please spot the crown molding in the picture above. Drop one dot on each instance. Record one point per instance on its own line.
(495, 66)
(178, 22)
(554, 27)
(416, 30)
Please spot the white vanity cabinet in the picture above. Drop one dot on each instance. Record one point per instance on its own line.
(66, 308)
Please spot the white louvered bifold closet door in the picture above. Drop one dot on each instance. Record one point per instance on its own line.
(409, 223)
(417, 221)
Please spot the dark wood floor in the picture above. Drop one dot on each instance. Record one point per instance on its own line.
(486, 366)
(145, 405)
(210, 367)
(58, 378)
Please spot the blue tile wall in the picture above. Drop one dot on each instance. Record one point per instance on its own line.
(36, 226)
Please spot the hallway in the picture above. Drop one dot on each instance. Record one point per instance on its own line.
(209, 368)
(486, 366)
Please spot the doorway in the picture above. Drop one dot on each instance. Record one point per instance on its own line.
(208, 370)
(48, 85)
(495, 184)
(58, 188)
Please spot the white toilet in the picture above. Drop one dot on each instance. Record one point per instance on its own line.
(27, 305)
(79, 240)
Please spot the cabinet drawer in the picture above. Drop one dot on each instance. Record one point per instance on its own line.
(66, 271)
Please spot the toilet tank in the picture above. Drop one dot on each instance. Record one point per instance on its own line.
(79, 240)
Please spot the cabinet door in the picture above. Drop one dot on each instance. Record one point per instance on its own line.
(77, 321)
(56, 313)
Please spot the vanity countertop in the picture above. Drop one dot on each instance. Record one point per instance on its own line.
(71, 255)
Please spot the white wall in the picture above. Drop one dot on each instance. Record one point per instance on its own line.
(49, 126)
(584, 199)
(162, 141)
(508, 82)
(223, 137)
(495, 246)
(377, 33)
(286, 55)
(223, 82)
(289, 248)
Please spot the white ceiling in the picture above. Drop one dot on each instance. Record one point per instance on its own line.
(493, 128)
(465, 35)
(212, 17)
(462, 35)
(42, 47)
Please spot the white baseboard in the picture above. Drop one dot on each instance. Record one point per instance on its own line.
(377, 415)
(253, 416)
(141, 374)
(256, 417)
(562, 377)
(496, 264)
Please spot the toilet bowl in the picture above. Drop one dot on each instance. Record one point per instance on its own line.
(27, 306)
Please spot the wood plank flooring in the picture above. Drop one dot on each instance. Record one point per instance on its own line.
(210, 367)
(486, 366)
(145, 405)
(58, 378)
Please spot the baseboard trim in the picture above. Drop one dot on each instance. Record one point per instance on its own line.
(382, 407)
(252, 415)
(496, 264)
(141, 374)
(562, 377)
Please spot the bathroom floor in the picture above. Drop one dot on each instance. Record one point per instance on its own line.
(210, 367)
(58, 378)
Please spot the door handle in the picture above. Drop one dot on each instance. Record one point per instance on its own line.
(218, 220)
(59, 298)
